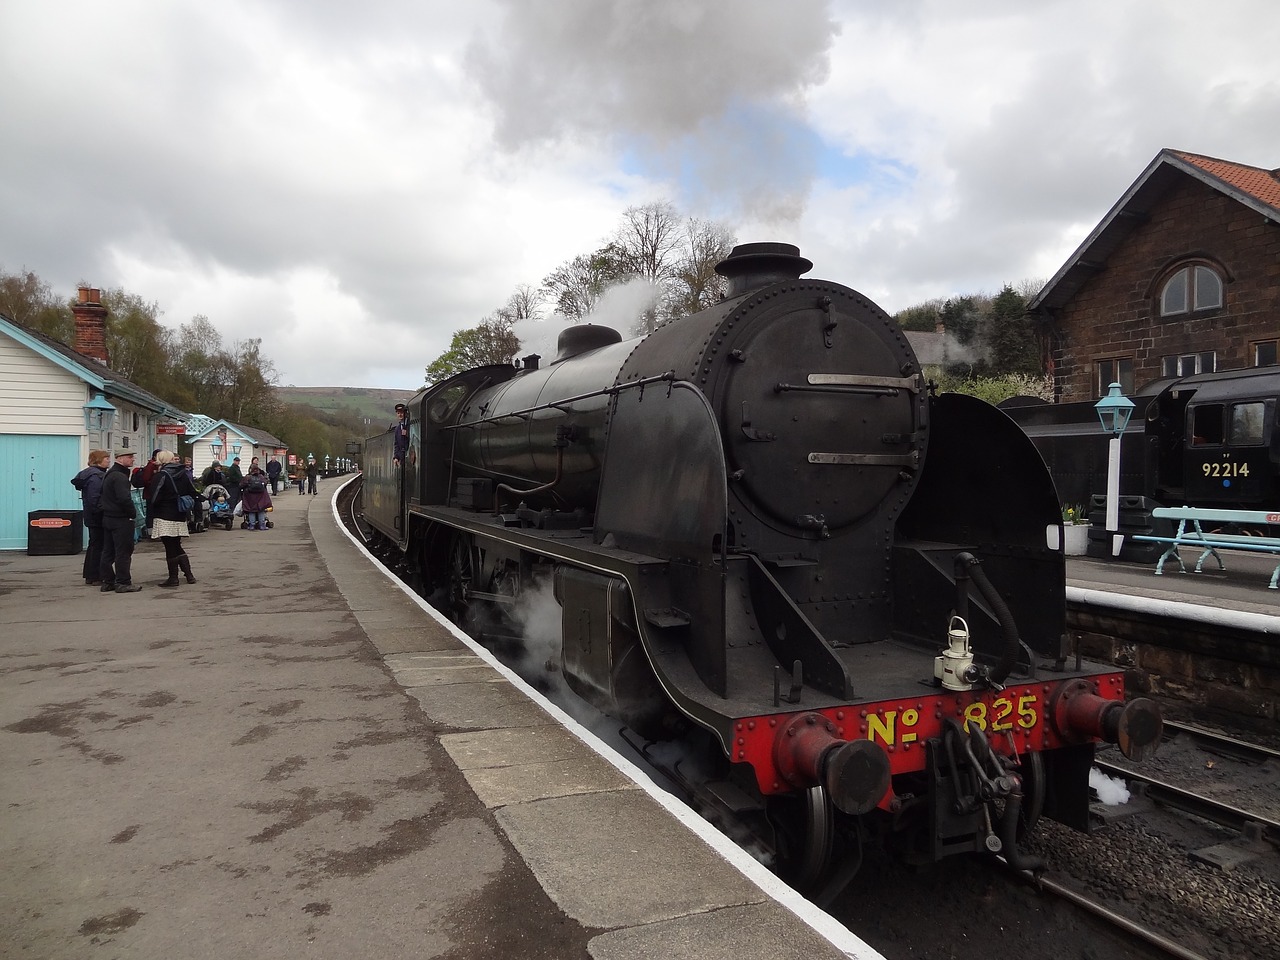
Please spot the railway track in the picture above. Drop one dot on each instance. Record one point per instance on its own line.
(1149, 937)
(1256, 824)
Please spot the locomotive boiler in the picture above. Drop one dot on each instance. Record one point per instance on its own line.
(765, 533)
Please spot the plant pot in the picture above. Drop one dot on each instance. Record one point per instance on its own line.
(1075, 539)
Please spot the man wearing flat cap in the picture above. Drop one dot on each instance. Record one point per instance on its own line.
(235, 477)
(118, 518)
(401, 428)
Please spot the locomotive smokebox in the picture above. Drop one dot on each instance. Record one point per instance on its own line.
(753, 265)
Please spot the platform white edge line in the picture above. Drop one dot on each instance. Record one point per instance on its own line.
(821, 922)
(1201, 613)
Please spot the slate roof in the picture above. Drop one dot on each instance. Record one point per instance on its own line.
(261, 437)
(1255, 187)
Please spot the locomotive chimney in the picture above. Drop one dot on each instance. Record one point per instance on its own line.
(91, 325)
(753, 265)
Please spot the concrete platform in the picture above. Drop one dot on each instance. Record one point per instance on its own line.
(294, 757)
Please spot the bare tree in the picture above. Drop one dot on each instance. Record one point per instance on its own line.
(648, 241)
(526, 303)
(703, 244)
(576, 286)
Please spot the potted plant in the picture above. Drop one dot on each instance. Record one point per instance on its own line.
(1075, 530)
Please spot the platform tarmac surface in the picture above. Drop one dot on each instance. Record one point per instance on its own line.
(292, 758)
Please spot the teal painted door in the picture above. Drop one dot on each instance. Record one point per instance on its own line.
(35, 474)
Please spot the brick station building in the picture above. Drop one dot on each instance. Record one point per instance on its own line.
(1182, 276)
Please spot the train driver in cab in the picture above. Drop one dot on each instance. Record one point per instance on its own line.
(401, 428)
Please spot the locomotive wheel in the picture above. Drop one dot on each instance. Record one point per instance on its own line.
(1033, 791)
(461, 575)
(805, 827)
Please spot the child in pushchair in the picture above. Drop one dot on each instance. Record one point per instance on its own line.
(220, 509)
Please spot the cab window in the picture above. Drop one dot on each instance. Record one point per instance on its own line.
(1246, 424)
(1206, 425)
(440, 408)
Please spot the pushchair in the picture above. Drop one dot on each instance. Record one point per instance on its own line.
(220, 509)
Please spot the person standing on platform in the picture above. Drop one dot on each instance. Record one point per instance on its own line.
(273, 474)
(165, 516)
(142, 479)
(119, 515)
(89, 482)
(213, 474)
(313, 474)
(234, 479)
(256, 499)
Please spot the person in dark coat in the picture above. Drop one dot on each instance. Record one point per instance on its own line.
(256, 498)
(401, 429)
(273, 474)
(118, 519)
(234, 477)
(213, 474)
(313, 472)
(166, 518)
(89, 482)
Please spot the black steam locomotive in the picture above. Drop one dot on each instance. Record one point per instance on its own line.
(763, 530)
(1208, 440)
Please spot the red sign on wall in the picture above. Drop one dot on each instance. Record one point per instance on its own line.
(175, 429)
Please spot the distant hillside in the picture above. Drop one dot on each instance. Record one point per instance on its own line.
(374, 405)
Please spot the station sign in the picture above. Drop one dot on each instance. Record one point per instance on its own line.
(171, 429)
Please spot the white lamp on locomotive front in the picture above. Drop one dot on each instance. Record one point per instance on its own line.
(1114, 410)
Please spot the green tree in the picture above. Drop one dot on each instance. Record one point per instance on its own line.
(28, 300)
(575, 287)
(998, 388)
(139, 346)
(490, 341)
(923, 317)
(960, 317)
(253, 383)
(1011, 339)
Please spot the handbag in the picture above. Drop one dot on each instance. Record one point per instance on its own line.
(185, 501)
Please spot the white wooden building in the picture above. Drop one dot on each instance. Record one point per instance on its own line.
(57, 404)
(223, 440)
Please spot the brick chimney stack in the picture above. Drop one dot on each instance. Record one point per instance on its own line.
(91, 325)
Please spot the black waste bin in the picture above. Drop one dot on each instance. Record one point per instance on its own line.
(54, 532)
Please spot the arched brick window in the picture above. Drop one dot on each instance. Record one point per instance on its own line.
(1190, 288)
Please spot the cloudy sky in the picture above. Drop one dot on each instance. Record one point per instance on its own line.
(354, 182)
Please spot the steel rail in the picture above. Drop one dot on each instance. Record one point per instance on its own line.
(1222, 744)
(1215, 811)
(1123, 923)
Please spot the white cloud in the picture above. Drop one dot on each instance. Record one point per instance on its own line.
(353, 186)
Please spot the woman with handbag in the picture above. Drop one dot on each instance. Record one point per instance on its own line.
(170, 497)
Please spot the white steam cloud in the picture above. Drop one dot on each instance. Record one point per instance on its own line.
(1110, 791)
(619, 308)
(666, 81)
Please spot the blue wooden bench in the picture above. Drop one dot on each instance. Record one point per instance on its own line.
(1191, 533)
